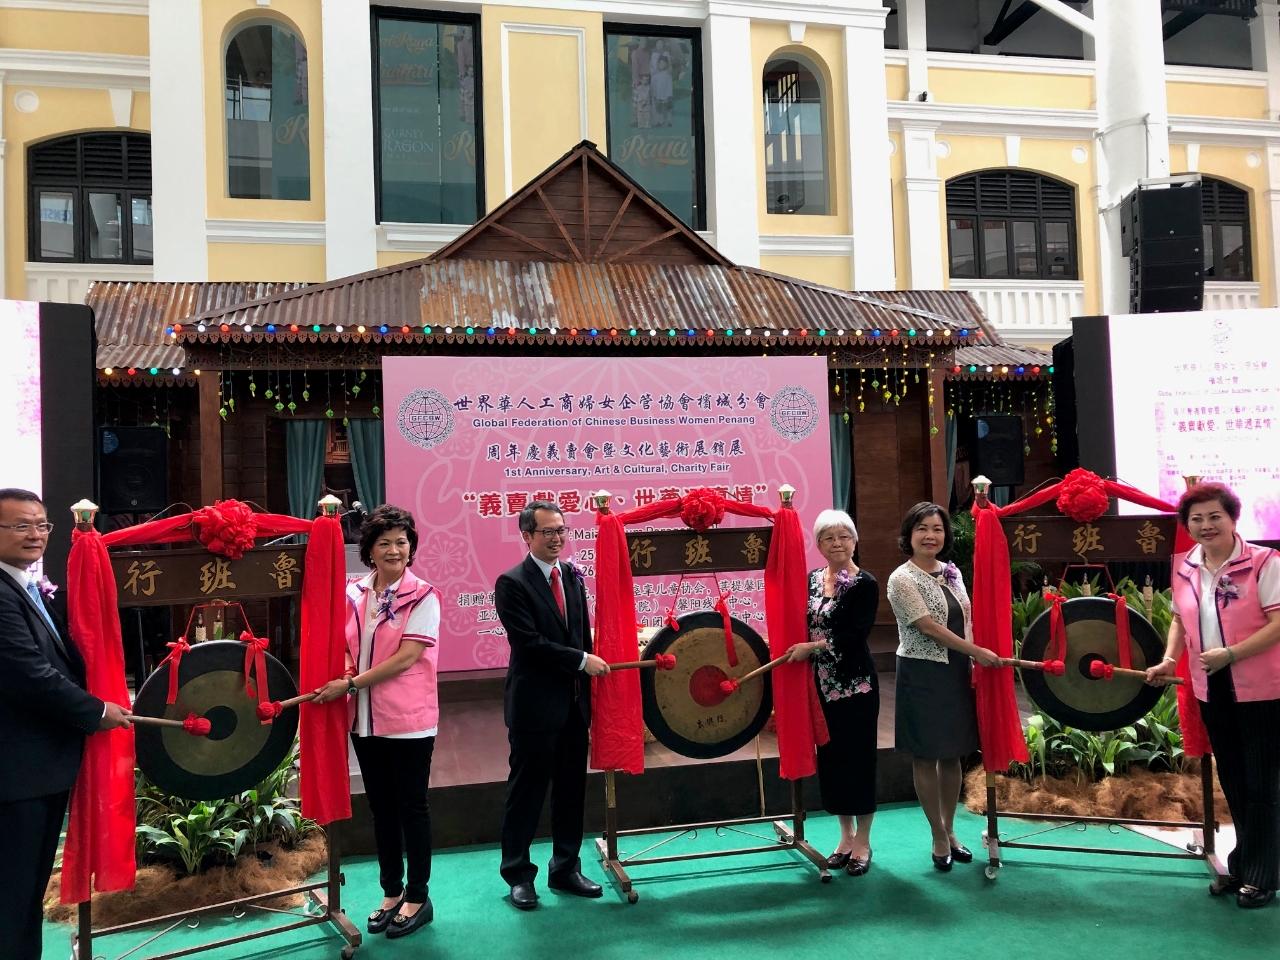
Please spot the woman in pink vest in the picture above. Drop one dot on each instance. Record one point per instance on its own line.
(1226, 603)
(393, 626)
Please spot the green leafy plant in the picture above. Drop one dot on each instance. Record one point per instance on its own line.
(197, 834)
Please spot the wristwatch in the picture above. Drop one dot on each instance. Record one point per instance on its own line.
(352, 689)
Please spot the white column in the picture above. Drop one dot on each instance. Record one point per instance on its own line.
(179, 192)
(350, 231)
(1264, 35)
(733, 164)
(1273, 208)
(924, 216)
(870, 188)
(1133, 123)
(912, 38)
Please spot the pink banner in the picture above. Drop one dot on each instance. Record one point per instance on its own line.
(470, 441)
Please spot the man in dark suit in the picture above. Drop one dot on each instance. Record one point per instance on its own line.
(543, 606)
(45, 714)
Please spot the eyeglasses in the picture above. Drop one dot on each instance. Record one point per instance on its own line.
(22, 529)
(836, 538)
(553, 532)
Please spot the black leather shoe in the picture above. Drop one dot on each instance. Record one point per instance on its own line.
(576, 884)
(941, 863)
(961, 854)
(1223, 885)
(379, 919)
(523, 896)
(1250, 898)
(858, 866)
(402, 926)
(838, 861)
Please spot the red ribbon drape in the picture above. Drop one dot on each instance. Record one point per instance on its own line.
(99, 849)
(617, 741)
(998, 724)
(177, 649)
(325, 782)
(1123, 656)
(255, 666)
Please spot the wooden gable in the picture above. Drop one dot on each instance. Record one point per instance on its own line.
(583, 209)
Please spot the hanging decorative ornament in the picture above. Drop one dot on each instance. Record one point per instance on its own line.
(292, 406)
(268, 393)
(253, 387)
(355, 390)
(329, 412)
(279, 406)
(377, 411)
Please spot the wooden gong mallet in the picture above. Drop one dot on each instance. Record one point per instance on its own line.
(733, 683)
(1054, 667)
(662, 661)
(1105, 671)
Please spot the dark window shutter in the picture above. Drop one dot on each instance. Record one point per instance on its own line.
(57, 161)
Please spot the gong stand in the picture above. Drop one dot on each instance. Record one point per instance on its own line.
(789, 830)
(1057, 530)
(323, 895)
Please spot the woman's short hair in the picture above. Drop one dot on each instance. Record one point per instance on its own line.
(383, 520)
(1204, 493)
(833, 518)
(914, 517)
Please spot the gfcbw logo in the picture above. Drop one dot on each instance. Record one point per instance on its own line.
(793, 412)
(425, 418)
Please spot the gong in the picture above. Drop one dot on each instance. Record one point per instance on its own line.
(239, 751)
(1076, 698)
(685, 708)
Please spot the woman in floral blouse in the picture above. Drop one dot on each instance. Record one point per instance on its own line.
(842, 609)
(935, 719)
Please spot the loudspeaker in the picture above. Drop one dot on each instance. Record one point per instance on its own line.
(996, 450)
(1161, 231)
(133, 469)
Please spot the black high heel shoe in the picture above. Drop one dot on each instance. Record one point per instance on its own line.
(837, 861)
(402, 926)
(942, 863)
(859, 865)
(379, 919)
(961, 854)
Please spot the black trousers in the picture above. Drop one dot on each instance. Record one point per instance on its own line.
(30, 830)
(396, 773)
(537, 760)
(1246, 747)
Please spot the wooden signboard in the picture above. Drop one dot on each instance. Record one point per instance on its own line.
(161, 577)
(687, 551)
(1107, 538)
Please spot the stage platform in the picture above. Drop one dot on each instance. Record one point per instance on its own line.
(469, 772)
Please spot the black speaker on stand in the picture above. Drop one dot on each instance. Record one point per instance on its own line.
(996, 448)
(1162, 233)
(133, 469)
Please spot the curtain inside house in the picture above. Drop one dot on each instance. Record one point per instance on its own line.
(841, 462)
(304, 456)
(367, 461)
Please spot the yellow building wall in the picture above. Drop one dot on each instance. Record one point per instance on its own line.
(895, 78)
(831, 271)
(999, 89)
(1051, 157)
(824, 49)
(73, 32)
(389, 258)
(544, 90)
(1232, 164)
(266, 261)
(1217, 100)
(901, 242)
(61, 111)
(221, 19)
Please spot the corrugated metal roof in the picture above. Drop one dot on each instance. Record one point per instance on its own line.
(999, 357)
(131, 317)
(582, 296)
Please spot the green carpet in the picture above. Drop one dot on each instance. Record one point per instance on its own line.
(1043, 906)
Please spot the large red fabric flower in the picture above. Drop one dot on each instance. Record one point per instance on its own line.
(701, 508)
(1082, 496)
(227, 528)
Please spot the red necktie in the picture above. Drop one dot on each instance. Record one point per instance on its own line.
(557, 591)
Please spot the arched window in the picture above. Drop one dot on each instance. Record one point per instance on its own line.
(268, 157)
(795, 142)
(89, 199)
(1011, 224)
(1228, 252)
